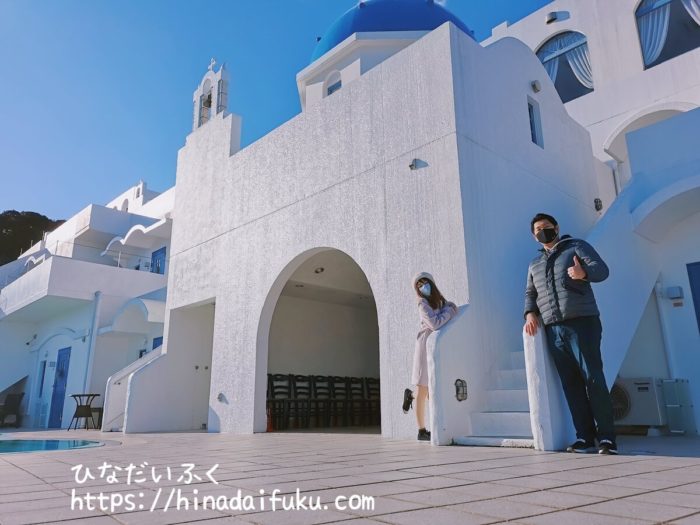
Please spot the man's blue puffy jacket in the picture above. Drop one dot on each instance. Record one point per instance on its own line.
(551, 293)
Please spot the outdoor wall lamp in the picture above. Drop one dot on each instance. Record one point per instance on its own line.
(461, 389)
(416, 164)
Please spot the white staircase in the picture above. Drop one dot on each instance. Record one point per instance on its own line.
(116, 392)
(506, 421)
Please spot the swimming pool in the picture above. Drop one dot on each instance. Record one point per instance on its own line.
(37, 445)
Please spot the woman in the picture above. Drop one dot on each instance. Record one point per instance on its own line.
(434, 312)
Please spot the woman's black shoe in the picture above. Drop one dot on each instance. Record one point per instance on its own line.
(407, 400)
(423, 435)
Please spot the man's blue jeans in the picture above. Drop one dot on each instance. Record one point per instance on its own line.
(575, 346)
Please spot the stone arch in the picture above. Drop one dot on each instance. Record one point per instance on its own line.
(656, 216)
(615, 144)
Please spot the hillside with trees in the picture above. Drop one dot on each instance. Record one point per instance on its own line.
(19, 230)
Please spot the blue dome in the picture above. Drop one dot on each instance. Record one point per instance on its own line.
(386, 15)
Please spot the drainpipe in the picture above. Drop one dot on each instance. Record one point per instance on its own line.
(663, 323)
(93, 339)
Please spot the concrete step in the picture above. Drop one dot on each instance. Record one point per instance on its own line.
(515, 424)
(494, 441)
(515, 400)
(515, 379)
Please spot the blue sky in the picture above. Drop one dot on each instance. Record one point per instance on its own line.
(96, 95)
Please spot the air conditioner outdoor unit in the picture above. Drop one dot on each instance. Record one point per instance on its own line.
(638, 401)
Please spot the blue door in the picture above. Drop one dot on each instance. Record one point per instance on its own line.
(158, 261)
(58, 398)
(694, 278)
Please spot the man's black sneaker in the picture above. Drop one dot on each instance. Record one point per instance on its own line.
(423, 435)
(581, 446)
(407, 400)
(606, 446)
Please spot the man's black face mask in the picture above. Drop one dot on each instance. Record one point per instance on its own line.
(546, 235)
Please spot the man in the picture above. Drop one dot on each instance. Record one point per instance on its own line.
(559, 290)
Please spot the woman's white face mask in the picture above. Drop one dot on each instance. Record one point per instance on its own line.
(425, 290)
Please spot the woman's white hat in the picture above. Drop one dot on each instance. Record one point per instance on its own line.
(423, 275)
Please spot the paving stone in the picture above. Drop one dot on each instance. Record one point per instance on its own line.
(410, 482)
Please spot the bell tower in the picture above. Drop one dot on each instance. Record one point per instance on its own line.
(211, 96)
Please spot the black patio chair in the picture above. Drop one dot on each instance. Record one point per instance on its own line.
(374, 406)
(320, 406)
(358, 409)
(279, 397)
(11, 408)
(300, 404)
(340, 400)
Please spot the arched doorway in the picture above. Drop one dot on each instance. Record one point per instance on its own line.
(319, 331)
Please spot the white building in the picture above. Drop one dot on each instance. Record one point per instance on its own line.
(627, 71)
(420, 149)
(417, 149)
(83, 303)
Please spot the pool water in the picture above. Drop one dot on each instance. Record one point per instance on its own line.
(36, 445)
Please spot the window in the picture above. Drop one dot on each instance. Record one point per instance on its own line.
(205, 102)
(222, 96)
(335, 87)
(533, 110)
(667, 28)
(158, 261)
(566, 59)
(333, 83)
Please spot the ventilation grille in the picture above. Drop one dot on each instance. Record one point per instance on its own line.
(620, 401)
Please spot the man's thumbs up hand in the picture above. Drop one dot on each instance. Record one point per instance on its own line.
(577, 271)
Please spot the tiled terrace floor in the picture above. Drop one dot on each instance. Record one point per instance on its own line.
(411, 482)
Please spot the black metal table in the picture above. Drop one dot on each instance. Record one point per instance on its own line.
(83, 409)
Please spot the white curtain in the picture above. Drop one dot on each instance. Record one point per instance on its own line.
(580, 61)
(653, 30)
(693, 8)
(578, 58)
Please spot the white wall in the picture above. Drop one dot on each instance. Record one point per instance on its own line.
(68, 325)
(66, 330)
(646, 356)
(352, 58)
(505, 179)
(160, 205)
(112, 353)
(141, 200)
(313, 337)
(337, 176)
(624, 90)
(174, 393)
(17, 361)
(680, 248)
